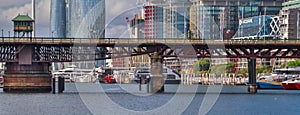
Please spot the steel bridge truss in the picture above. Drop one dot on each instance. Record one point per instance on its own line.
(69, 52)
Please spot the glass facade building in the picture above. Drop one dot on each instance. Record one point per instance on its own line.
(58, 18)
(176, 19)
(86, 18)
(219, 19)
(167, 19)
(258, 27)
(79, 19)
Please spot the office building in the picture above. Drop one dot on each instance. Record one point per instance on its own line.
(176, 19)
(219, 19)
(58, 18)
(86, 18)
(79, 19)
(290, 17)
(264, 27)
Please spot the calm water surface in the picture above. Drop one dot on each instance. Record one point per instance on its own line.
(233, 100)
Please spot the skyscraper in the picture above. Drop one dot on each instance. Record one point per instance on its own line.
(167, 18)
(153, 21)
(86, 18)
(176, 19)
(58, 18)
(79, 19)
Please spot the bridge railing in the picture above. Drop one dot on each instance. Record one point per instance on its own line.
(46, 40)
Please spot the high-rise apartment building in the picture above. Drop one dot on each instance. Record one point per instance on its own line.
(290, 20)
(153, 21)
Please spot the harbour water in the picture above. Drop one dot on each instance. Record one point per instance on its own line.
(87, 98)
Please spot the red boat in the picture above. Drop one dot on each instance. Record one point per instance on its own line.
(109, 79)
(1, 81)
(297, 83)
(291, 84)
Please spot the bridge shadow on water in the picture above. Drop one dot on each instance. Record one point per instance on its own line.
(96, 88)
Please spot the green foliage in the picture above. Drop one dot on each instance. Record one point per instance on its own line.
(259, 69)
(295, 63)
(263, 69)
(201, 65)
(243, 71)
(283, 66)
(230, 67)
(218, 69)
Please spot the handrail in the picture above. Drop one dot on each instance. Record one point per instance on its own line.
(140, 41)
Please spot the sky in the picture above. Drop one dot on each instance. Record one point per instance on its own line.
(116, 12)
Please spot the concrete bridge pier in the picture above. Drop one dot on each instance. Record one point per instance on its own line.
(157, 78)
(252, 88)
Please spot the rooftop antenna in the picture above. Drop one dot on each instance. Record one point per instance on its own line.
(33, 17)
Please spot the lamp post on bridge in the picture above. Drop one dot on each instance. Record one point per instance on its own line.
(52, 34)
(2, 35)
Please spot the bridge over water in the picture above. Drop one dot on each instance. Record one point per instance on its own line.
(28, 59)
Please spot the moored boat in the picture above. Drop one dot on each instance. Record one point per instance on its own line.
(289, 84)
(269, 85)
(297, 83)
(279, 79)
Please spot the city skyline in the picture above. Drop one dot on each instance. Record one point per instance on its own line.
(10, 9)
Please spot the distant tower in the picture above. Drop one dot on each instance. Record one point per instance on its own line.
(23, 26)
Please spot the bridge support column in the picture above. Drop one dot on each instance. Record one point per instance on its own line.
(25, 75)
(252, 88)
(157, 78)
(27, 78)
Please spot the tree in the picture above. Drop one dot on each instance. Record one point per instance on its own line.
(243, 71)
(295, 63)
(230, 67)
(218, 69)
(202, 65)
(263, 69)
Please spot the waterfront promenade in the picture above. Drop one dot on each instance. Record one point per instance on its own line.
(86, 98)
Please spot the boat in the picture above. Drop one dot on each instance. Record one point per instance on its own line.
(143, 73)
(297, 83)
(74, 74)
(109, 79)
(269, 85)
(279, 79)
(292, 84)
(1, 81)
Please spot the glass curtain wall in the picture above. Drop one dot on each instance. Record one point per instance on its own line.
(86, 19)
(58, 19)
(219, 19)
(176, 19)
